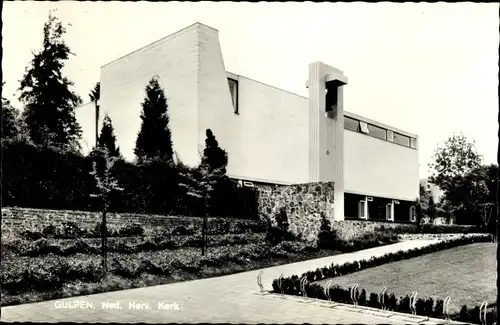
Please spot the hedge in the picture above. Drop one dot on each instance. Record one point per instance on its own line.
(435, 229)
(291, 285)
(423, 307)
(46, 178)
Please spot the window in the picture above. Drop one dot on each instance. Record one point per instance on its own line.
(233, 89)
(364, 127)
(401, 139)
(413, 143)
(377, 132)
(388, 211)
(361, 210)
(390, 136)
(351, 124)
(413, 216)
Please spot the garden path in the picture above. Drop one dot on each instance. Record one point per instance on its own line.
(231, 299)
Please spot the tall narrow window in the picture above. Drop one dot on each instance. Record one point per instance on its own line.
(233, 89)
(388, 211)
(413, 215)
(361, 210)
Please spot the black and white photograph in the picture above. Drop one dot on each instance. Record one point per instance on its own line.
(247, 163)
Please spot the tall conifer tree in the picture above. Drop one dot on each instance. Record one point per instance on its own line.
(154, 139)
(47, 96)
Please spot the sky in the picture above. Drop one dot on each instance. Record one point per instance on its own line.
(429, 69)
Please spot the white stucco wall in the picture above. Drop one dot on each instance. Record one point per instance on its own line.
(85, 115)
(267, 140)
(375, 167)
(175, 60)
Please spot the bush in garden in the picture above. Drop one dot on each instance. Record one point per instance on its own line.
(463, 316)
(438, 309)
(327, 237)
(183, 230)
(428, 306)
(420, 307)
(362, 298)
(392, 302)
(404, 305)
(373, 301)
(131, 230)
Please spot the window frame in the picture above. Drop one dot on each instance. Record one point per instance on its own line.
(374, 127)
(347, 118)
(364, 129)
(396, 135)
(391, 137)
(234, 94)
(413, 143)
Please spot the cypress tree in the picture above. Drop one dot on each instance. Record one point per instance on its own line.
(107, 138)
(48, 99)
(213, 156)
(154, 139)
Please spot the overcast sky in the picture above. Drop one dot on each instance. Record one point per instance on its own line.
(429, 69)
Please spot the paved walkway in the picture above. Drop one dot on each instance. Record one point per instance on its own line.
(231, 299)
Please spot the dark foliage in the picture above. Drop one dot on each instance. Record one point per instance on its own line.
(49, 102)
(154, 140)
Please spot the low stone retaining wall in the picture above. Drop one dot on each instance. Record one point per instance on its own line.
(22, 218)
(350, 229)
(437, 236)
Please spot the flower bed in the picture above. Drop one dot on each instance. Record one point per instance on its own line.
(291, 285)
(124, 245)
(30, 278)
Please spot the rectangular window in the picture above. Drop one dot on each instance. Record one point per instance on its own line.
(361, 209)
(413, 216)
(413, 143)
(364, 127)
(390, 136)
(351, 124)
(401, 139)
(388, 214)
(377, 132)
(233, 89)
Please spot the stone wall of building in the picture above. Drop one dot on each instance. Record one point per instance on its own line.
(302, 202)
(15, 219)
(350, 229)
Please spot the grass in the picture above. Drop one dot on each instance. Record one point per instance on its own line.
(467, 274)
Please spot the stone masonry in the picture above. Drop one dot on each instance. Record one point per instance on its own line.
(302, 202)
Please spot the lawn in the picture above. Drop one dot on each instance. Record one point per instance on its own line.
(467, 274)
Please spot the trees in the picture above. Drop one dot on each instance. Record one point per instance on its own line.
(458, 171)
(453, 160)
(107, 138)
(214, 157)
(154, 138)
(95, 96)
(48, 99)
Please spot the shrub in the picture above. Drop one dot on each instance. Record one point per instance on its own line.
(327, 237)
(131, 230)
(183, 230)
